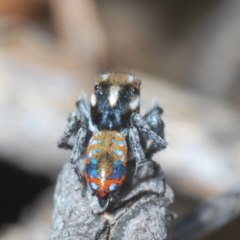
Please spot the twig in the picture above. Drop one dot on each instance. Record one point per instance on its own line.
(138, 213)
(209, 216)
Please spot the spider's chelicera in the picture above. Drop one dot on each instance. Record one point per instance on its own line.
(110, 132)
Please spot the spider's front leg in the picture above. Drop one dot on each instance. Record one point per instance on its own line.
(83, 108)
(71, 129)
(136, 147)
(153, 119)
(158, 143)
(75, 120)
(77, 150)
(78, 127)
(74, 127)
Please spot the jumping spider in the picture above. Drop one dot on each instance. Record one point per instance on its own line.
(112, 132)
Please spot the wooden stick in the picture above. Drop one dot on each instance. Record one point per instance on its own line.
(209, 216)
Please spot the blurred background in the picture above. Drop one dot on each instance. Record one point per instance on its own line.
(187, 54)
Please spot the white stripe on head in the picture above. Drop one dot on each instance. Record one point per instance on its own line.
(93, 100)
(130, 78)
(113, 95)
(135, 103)
(105, 76)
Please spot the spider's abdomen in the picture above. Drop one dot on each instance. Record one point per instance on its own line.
(106, 161)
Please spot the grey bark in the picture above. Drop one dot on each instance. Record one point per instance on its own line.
(138, 213)
(209, 216)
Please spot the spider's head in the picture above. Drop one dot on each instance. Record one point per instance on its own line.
(115, 98)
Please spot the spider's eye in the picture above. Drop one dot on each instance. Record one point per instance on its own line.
(98, 89)
(133, 92)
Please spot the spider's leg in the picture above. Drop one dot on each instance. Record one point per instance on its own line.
(77, 150)
(83, 108)
(158, 143)
(75, 120)
(136, 147)
(153, 119)
(71, 129)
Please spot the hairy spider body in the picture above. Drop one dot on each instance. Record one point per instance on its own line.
(115, 99)
(113, 114)
(106, 161)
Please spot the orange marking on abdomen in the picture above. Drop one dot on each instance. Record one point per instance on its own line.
(103, 186)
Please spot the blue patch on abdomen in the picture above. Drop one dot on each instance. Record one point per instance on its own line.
(118, 170)
(91, 169)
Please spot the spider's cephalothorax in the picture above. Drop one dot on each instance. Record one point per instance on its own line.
(115, 98)
(112, 132)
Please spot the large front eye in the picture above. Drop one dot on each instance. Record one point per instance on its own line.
(98, 89)
(132, 92)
